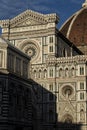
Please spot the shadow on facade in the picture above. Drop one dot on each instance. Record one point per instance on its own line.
(47, 115)
(68, 126)
(26, 105)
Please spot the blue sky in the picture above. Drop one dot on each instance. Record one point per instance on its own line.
(64, 8)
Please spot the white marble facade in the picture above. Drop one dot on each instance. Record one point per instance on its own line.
(55, 65)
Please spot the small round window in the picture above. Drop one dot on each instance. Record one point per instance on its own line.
(67, 91)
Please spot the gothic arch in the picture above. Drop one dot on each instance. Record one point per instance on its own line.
(67, 118)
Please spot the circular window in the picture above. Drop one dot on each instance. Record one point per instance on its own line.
(67, 91)
(31, 51)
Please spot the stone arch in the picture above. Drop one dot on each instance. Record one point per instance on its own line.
(67, 118)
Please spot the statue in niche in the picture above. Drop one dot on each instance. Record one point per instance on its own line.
(60, 72)
(72, 72)
(82, 115)
(45, 73)
(66, 72)
(68, 119)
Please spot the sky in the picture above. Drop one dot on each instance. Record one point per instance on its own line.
(63, 8)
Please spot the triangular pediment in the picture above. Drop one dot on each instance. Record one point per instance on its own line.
(28, 22)
(29, 17)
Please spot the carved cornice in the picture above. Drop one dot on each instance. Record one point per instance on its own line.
(41, 18)
(4, 23)
(37, 33)
(74, 59)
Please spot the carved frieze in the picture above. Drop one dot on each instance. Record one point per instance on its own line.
(29, 16)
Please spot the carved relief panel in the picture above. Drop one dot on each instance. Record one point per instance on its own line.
(67, 102)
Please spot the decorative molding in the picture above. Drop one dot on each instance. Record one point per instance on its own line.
(29, 14)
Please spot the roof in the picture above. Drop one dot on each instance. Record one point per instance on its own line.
(75, 28)
(70, 43)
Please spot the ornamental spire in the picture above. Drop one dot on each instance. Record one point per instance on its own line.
(84, 4)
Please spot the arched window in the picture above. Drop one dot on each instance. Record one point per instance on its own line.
(51, 39)
(51, 87)
(51, 48)
(51, 72)
(81, 70)
(81, 85)
(82, 96)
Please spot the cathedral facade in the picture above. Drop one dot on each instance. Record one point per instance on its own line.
(57, 66)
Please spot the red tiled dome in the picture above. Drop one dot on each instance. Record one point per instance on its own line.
(75, 28)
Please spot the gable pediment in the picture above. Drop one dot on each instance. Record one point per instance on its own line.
(28, 22)
(29, 17)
